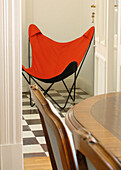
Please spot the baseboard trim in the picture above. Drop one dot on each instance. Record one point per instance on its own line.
(85, 85)
(11, 157)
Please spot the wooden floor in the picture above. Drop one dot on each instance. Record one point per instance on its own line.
(37, 163)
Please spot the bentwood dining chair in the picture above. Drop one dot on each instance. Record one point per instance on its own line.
(65, 153)
(58, 137)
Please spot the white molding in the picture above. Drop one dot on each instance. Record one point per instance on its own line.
(110, 47)
(10, 85)
(99, 56)
(119, 49)
(103, 42)
(97, 39)
(85, 85)
(100, 72)
(11, 157)
(115, 41)
(105, 50)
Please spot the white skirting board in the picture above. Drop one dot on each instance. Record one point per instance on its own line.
(10, 157)
(85, 85)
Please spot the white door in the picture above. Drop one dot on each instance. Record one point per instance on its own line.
(105, 63)
(119, 49)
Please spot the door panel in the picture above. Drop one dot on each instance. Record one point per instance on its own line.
(104, 51)
(115, 43)
(119, 49)
(100, 49)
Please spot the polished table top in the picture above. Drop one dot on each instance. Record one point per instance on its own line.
(101, 115)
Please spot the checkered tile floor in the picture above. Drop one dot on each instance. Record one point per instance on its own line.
(34, 144)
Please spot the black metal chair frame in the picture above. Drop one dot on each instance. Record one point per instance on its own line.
(75, 72)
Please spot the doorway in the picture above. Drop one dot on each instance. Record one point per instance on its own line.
(61, 21)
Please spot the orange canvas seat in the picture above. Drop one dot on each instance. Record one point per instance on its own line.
(54, 61)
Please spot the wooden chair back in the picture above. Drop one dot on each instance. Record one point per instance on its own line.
(61, 151)
(64, 155)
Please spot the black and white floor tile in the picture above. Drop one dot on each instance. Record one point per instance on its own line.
(34, 144)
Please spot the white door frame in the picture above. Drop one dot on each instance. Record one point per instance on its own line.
(119, 49)
(10, 85)
(110, 47)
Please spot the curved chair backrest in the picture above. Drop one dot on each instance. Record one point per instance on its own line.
(60, 142)
(58, 137)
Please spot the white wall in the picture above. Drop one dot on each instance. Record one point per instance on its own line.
(62, 20)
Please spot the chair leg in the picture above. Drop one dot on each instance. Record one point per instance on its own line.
(67, 89)
(29, 82)
(51, 97)
(82, 161)
(74, 86)
(29, 62)
(46, 91)
(31, 104)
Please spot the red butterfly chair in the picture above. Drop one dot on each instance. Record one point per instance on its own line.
(54, 61)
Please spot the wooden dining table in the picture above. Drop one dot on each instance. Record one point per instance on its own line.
(101, 115)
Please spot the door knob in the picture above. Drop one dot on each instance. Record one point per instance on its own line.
(116, 6)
